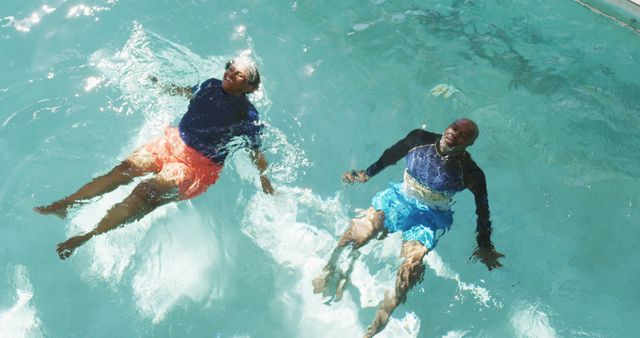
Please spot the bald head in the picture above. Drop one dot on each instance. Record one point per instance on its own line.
(460, 134)
(471, 127)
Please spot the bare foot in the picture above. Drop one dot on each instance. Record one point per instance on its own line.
(53, 209)
(382, 316)
(67, 248)
(329, 276)
(320, 282)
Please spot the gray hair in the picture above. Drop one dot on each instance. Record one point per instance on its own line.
(249, 66)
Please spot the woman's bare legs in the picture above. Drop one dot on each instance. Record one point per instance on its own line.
(145, 197)
(124, 173)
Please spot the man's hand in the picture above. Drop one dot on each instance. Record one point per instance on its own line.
(266, 185)
(488, 256)
(354, 176)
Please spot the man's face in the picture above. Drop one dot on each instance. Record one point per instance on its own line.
(458, 135)
(235, 80)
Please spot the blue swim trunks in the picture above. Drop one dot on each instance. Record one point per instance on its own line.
(416, 220)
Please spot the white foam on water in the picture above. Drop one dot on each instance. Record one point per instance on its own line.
(21, 320)
(455, 334)
(529, 321)
(178, 264)
(26, 24)
(408, 326)
(480, 294)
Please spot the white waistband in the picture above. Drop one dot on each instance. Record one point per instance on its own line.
(425, 195)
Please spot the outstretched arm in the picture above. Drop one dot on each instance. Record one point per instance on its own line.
(485, 251)
(173, 89)
(261, 163)
(391, 155)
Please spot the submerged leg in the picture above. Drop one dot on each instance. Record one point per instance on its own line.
(145, 197)
(122, 174)
(344, 277)
(410, 273)
(360, 232)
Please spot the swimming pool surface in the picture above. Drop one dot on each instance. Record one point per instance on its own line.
(554, 87)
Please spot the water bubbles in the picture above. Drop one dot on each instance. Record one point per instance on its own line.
(24, 25)
(92, 82)
(35, 18)
(84, 10)
(309, 70)
(21, 320)
(531, 321)
(48, 9)
(239, 32)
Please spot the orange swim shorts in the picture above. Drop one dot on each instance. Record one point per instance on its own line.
(171, 158)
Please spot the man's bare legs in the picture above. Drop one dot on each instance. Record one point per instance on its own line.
(145, 197)
(360, 232)
(135, 165)
(410, 273)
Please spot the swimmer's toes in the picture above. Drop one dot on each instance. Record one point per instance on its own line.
(51, 210)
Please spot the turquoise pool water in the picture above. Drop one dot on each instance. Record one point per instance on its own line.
(554, 87)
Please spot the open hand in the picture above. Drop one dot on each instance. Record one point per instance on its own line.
(488, 256)
(354, 176)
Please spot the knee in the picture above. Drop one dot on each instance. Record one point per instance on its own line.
(137, 164)
(414, 250)
(350, 238)
(378, 219)
(127, 170)
(344, 240)
(150, 194)
(354, 235)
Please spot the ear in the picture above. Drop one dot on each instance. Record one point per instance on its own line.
(471, 142)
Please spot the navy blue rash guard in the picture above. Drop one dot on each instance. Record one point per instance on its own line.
(439, 174)
(214, 118)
